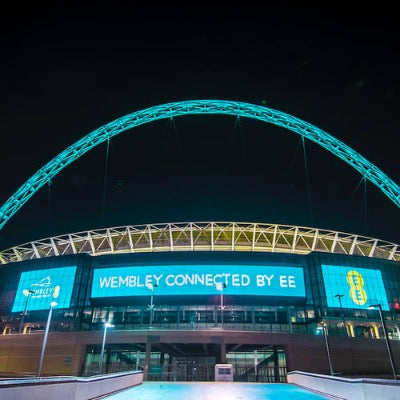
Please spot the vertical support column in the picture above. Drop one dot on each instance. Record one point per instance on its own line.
(276, 365)
(108, 360)
(147, 361)
(255, 365)
(138, 360)
(351, 330)
(170, 376)
(162, 357)
(223, 351)
(376, 331)
(162, 367)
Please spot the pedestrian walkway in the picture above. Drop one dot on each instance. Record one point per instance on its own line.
(215, 391)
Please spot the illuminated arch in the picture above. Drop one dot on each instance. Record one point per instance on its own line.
(170, 110)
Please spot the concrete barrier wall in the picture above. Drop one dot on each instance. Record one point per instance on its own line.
(345, 388)
(68, 388)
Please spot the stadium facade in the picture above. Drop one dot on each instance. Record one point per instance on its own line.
(183, 297)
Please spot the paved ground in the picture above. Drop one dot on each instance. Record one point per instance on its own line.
(215, 391)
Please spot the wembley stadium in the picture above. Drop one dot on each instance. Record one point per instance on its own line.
(175, 299)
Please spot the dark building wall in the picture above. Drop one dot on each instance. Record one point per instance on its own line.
(65, 352)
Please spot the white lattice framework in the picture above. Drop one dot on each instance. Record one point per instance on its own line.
(203, 236)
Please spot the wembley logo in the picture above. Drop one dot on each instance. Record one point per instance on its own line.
(44, 282)
(43, 289)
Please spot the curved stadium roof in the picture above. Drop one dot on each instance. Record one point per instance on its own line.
(203, 236)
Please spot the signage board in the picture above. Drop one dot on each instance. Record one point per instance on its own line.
(37, 289)
(172, 280)
(359, 287)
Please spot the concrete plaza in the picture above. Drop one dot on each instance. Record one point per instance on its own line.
(215, 391)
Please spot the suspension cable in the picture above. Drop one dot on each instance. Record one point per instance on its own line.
(307, 181)
(103, 205)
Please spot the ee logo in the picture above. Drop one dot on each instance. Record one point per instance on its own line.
(56, 291)
(357, 292)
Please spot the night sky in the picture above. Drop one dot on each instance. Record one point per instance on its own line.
(66, 70)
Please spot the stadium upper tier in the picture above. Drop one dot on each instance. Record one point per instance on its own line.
(203, 236)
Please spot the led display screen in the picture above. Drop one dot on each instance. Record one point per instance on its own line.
(37, 289)
(199, 280)
(359, 287)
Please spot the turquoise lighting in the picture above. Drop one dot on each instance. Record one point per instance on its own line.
(359, 287)
(170, 110)
(181, 280)
(37, 289)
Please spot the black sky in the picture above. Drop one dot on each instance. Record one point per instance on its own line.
(67, 69)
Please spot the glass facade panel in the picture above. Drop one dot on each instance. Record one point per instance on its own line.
(357, 287)
(37, 289)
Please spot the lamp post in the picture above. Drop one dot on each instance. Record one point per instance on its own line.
(151, 286)
(221, 286)
(52, 305)
(106, 325)
(389, 349)
(27, 293)
(339, 296)
(328, 352)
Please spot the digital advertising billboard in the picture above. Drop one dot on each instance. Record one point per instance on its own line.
(357, 287)
(173, 280)
(37, 289)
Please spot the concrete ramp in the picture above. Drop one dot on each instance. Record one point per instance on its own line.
(68, 387)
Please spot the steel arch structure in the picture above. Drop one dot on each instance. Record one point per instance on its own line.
(191, 107)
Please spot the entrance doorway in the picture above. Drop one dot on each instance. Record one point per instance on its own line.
(257, 363)
(190, 361)
(197, 368)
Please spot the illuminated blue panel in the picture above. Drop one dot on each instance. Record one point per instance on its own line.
(37, 289)
(175, 280)
(360, 287)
